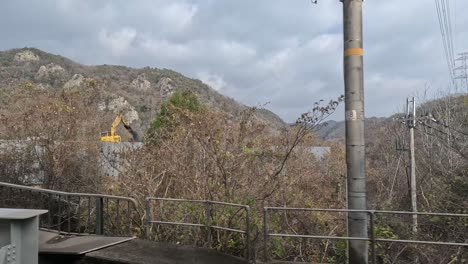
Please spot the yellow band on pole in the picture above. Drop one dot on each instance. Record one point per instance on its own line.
(354, 51)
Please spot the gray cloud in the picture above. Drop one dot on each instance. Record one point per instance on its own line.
(287, 53)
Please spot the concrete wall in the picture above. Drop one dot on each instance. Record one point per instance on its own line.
(111, 161)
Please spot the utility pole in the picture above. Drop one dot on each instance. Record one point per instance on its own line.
(411, 123)
(354, 120)
(355, 148)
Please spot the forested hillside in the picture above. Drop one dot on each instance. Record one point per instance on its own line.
(137, 93)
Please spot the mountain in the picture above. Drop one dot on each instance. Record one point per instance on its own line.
(336, 130)
(435, 108)
(138, 93)
(332, 130)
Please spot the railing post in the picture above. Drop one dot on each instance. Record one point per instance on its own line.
(247, 233)
(59, 214)
(130, 217)
(148, 218)
(372, 235)
(49, 213)
(265, 235)
(208, 207)
(99, 216)
(68, 214)
(79, 215)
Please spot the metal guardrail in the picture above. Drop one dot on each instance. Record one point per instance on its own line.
(372, 239)
(86, 213)
(73, 213)
(207, 225)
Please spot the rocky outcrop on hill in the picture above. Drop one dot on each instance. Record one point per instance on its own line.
(120, 105)
(50, 70)
(141, 83)
(75, 81)
(165, 86)
(26, 55)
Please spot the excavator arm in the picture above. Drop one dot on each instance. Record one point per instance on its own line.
(112, 135)
(116, 123)
(134, 134)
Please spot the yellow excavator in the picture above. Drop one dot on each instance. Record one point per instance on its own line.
(111, 136)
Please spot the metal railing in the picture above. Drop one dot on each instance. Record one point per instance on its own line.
(73, 213)
(86, 213)
(372, 236)
(208, 223)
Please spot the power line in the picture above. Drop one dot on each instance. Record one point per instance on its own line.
(433, 128)
(451, 146)
(446, 38)
(448, 29)
(449, 17)
(450, 128)
(455, 14)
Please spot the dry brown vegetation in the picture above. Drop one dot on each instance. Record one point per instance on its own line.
(50, 138)
(209, 156)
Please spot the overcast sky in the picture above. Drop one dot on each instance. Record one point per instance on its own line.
(285, 52)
